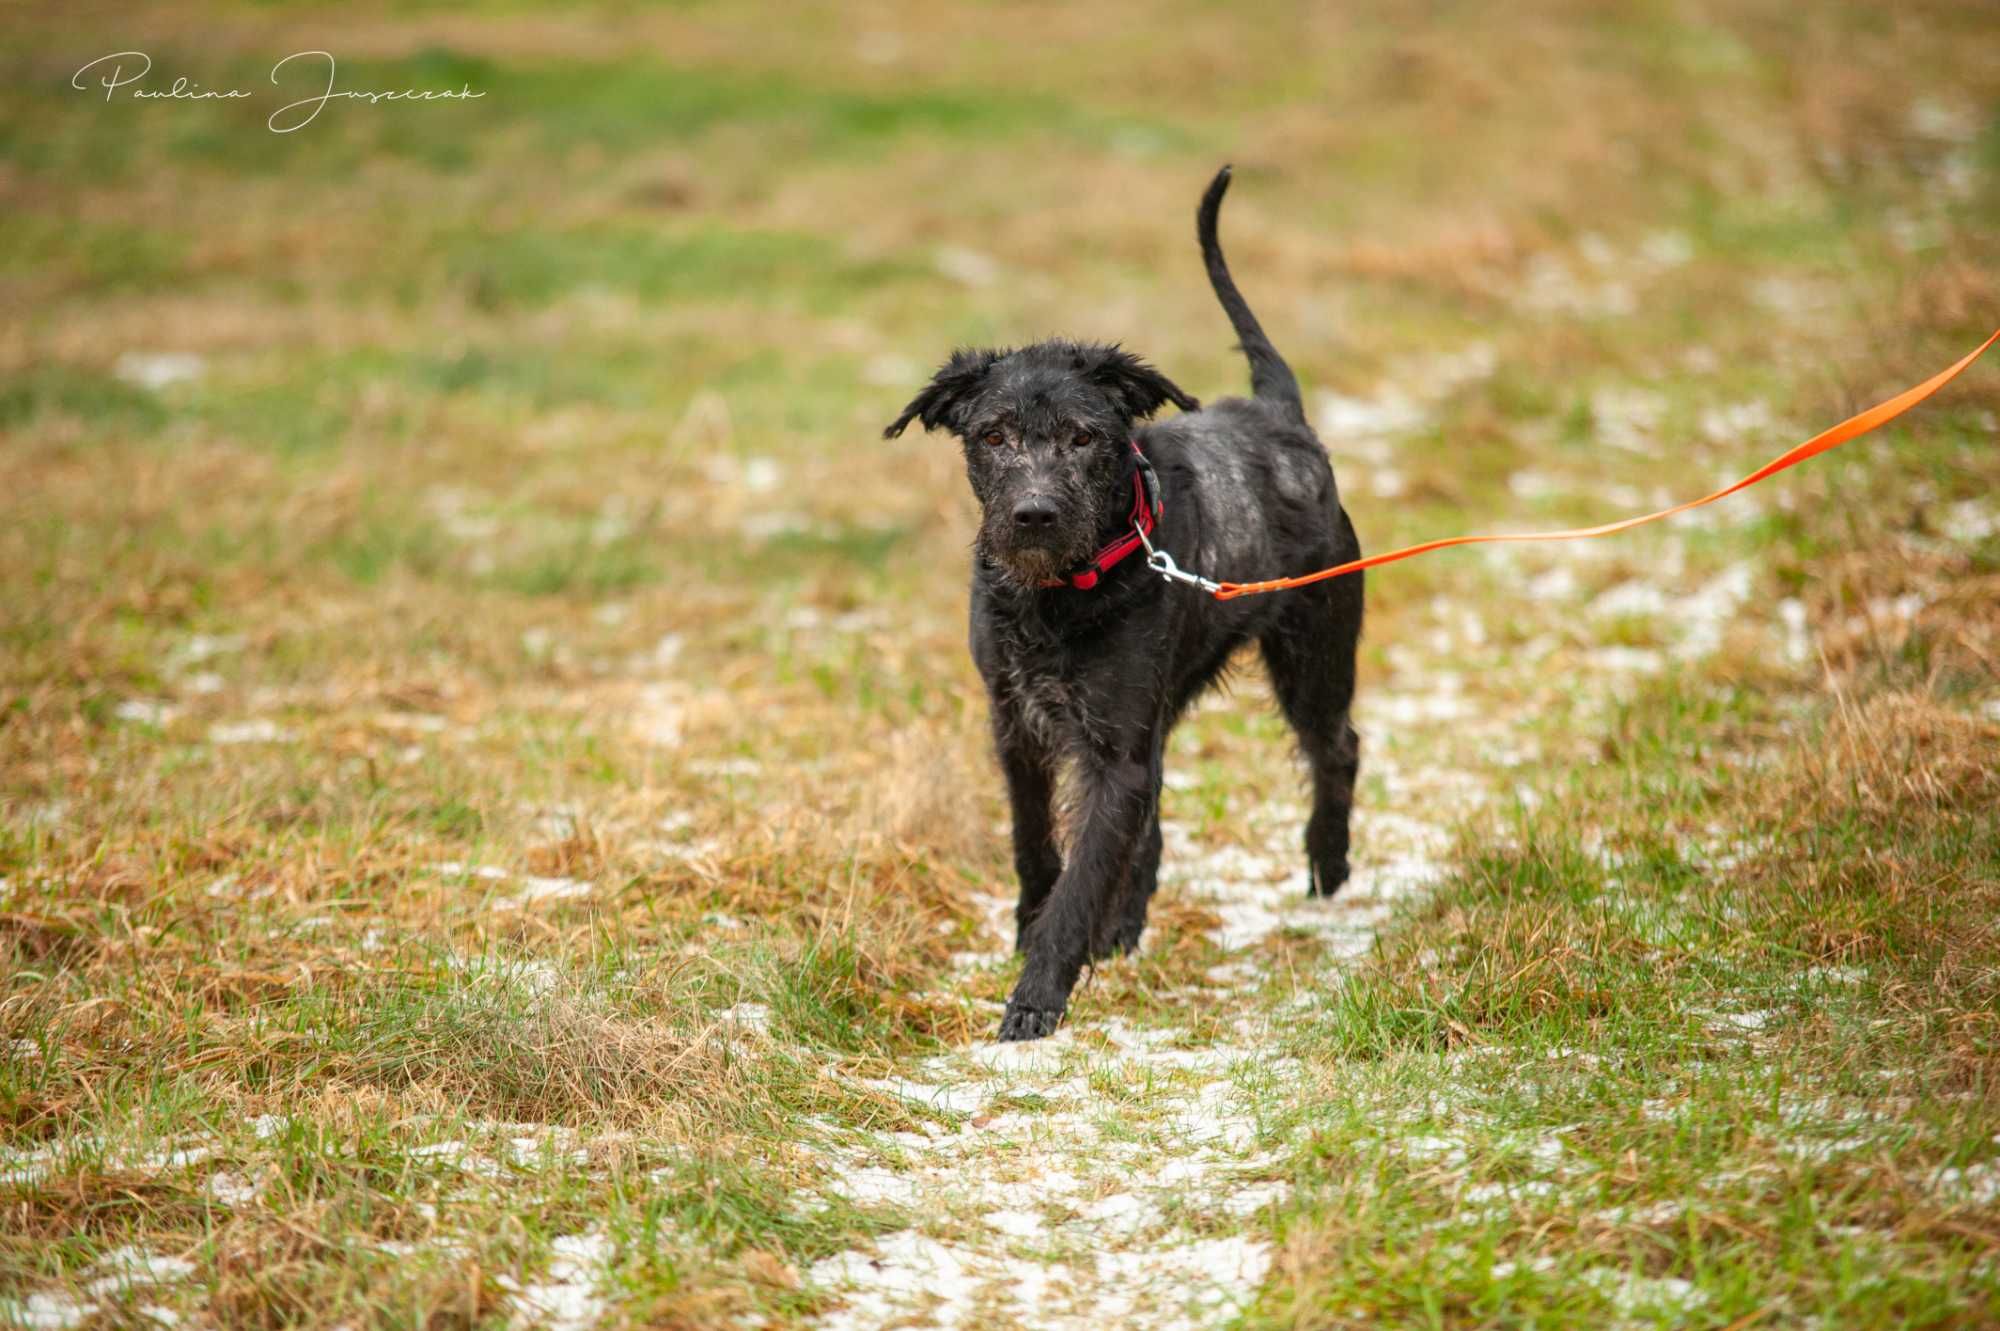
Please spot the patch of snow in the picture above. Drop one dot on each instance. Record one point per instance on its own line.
(1503, 1270)
(1798, 639)
(449, 1152)
(1016, 1224)
(201, 647)
(147, 712)
(1122, 1213)
(156, 370)
(258, 730)
(1752, 1021)
(1666, 249)
(1628, 599)
(1627, 417)
(46, 1312)
(1429, 1148)
(460, 869)
(1790, 297)
(1255, 1197)
(1558, 584)
(726, 767)
(1369, 426)
(127, 1268)
(1971, 521)
(177, 1158)
(1413, 709)
(535, 889)
(755, 1016)
(951, 1096)
(1619, 660)
(26, 1166)
(1704, 615)
(1552, 286)
(1737, 422)
(1818, 1150)
(659, 716)
(1978, 1184)
(1358, 421)
(537, 977)
(1212, 1278)
(1933, 117)
(1535, 485)
(908, 1271)
(1652, 1216)
(1631, 1293)
(232, 1189)
(1520, 1190)
(567, 1297)
(549, 1148)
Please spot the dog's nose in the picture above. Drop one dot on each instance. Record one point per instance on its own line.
(1034, 513)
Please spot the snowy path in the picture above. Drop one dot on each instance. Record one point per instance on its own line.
(1127, 1193)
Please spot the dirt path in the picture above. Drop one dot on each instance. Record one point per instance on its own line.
(1116, 1173)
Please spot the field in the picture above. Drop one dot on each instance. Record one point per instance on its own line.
(497, 824)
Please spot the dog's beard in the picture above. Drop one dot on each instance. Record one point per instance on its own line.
(1028, 564)
(1033, 567)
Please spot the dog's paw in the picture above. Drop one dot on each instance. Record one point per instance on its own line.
(1326, 879)
(1029, 1023)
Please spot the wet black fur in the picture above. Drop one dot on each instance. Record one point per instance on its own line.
(1094, 680)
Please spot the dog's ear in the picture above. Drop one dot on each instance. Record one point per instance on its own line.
(1142, 389)
(955, 379)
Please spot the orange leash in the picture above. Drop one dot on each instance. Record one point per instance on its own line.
(1853, 427)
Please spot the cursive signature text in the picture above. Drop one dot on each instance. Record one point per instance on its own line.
(123, 71)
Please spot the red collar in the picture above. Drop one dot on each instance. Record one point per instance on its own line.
(1146, 511)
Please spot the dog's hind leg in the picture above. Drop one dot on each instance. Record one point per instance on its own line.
(1310, 653)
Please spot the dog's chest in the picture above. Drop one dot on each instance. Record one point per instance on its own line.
(1047, 697)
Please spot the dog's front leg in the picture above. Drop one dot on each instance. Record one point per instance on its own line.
(1030, 773)
(1117, 796)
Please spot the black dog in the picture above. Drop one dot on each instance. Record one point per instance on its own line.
(1089, 657)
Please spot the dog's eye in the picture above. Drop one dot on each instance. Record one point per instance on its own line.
(994, 438)
(1082, 438)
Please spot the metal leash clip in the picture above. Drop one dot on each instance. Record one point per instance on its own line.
(1163, 564)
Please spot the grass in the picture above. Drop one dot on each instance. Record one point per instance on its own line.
(493, 798)
(1746, 1059)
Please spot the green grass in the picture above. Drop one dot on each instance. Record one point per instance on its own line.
(1704, 1031)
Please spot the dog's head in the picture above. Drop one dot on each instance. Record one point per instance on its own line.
(1047, 432)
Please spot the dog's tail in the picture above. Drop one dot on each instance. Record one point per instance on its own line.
(1270, 378)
